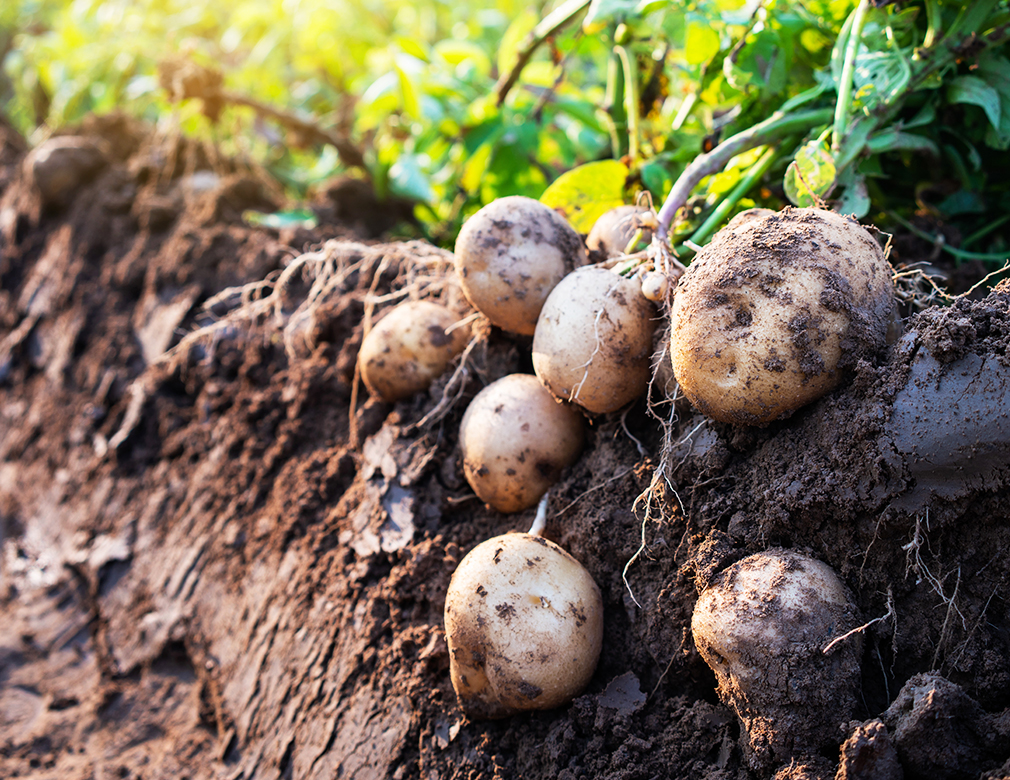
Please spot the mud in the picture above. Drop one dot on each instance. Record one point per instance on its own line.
(212, 568)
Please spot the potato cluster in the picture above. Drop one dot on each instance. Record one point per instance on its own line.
(772, 312)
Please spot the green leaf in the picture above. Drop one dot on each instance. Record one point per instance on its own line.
(974, 90)
(584, 193)
(702, 42)
(508, 50)
(811, 175)
(407, 178)
(855, 198)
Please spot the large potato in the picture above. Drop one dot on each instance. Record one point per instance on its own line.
(773, 311)
(524, 624)
(516, 439)
(409, 348)
(593, 341)
(767, 626)
(510, 254)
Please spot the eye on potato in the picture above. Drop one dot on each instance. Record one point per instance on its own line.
(524, 625)
(408, 348)
(773, 311)
(762, 626)
(510, 254)
(593, 341)
(516, 440)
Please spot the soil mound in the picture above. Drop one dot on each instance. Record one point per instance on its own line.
(219, 561)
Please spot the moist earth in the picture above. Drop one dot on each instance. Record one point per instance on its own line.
(221, 559)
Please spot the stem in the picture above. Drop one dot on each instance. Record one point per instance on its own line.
(933, 20)
(613, 105)
(548, 26)
(844, 104)
(960, 254)
(720, 212)
(770, 130)
(630, 99)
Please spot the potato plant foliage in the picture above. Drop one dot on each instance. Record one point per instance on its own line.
(882, 111)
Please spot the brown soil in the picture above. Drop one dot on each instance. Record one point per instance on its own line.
(212, 569)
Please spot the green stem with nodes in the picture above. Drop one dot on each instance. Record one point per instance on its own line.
(960, 254)
(844, 104)
(720, 212)
(630, 67)
(772, 129)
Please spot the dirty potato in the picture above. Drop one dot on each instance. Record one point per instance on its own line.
(767, 626)
(510, 254)
(409, 348)
(613, 231)
(593, 341)
(770, 315)
(516, 439)
(524, 624)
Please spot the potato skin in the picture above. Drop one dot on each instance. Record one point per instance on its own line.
(614, 229)
(774, 310)
(762, 625)
(516, 439)
(524, 625)
(409, 348)
(510, 254)
(611, 354)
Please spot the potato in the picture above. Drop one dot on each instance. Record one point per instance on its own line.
(516, 440)
(763, 625)
(408, 349)
(593, 341)
(615, 228)
(770, 315)
(524, 624)
(510, 254)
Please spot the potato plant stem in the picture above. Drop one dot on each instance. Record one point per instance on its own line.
(560, 17)
(844, 103)
(720, 212)
(770, 130)
(630, 68)
(960, 254)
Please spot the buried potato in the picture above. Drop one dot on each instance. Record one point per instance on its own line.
(516, 440)
(408, 348)
(775, 629)
(773, 311)
(510, 254)
(524, 625)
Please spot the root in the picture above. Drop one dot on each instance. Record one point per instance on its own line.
(860, 629)
(914, 562)
(658, 486)
(290, 298)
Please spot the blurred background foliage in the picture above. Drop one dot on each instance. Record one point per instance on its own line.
(420, 88)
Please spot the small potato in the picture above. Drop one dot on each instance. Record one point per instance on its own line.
(614, 229)
(516, 440)
(763, 626)
(771, 314)
(408, 349)
(593, 341)
(524, 625)
(510, 254)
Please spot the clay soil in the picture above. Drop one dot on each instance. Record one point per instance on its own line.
(213, 568)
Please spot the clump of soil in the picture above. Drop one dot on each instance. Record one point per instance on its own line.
(219, 561)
